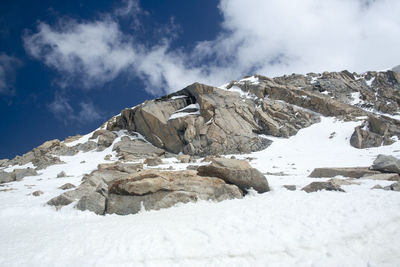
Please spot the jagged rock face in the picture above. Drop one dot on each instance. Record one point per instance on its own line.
(375, 131)
(129, 150)
(203, 120)
(373, 90)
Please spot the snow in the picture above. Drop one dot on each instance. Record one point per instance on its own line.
(356, 96)
(179, 96)
(277, 228)
(181, 112)
(370, 81)
(81, 140)
(11, 168)
(251, 79)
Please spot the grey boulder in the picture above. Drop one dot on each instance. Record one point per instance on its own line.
(318, 186)
(386, 163)
(154, 190)
(237, 172)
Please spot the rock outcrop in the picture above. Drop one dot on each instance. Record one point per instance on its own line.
(124, 188)
(237, 172)
(16, 175)
(156, 189)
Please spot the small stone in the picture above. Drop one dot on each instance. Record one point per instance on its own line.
(67, 186)
(37, 193)
(317, 186)
(153, 161)
(290, 187)
(61, 174)
(83, 161)
(192, 167)
(393, 187)
(184, 158)
(108, 157)
(377, 187)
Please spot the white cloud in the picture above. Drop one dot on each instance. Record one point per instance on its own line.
(92, 52)
(268, 37)
(63, 111)
(8, 67)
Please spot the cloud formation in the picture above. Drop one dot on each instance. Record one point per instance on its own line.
(63, 111)
(268, 37)
(8, 67)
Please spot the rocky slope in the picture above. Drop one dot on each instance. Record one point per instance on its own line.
(199, 120)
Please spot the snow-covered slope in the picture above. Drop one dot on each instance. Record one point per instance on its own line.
(277, 228)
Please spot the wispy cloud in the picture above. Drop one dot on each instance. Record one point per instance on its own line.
(8, 67)
(63, 111)
(268, 37)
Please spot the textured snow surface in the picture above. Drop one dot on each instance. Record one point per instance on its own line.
(277, 228)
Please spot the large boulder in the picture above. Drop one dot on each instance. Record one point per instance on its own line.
(128, 149)
(16, 175)
(386, 163)
(156, 189)
(104, 138)
(124, 189)
(375, 131)
(237, 172)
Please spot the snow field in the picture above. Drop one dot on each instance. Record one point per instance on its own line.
(277, 228)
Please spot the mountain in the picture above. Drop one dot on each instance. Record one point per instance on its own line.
(259, 170)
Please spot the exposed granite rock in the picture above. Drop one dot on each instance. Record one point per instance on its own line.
(355, 172)
(67, 186)
(374, 132)
(94, 202)
(198, 123)
(318, 186)
(156, 190)
(128, 149)
(290, 187)
(386, 163)
(152, 161)
(383, 176)
(393, 187)
(16, 175)
(237, 172)
(61, 174)
(37, 193)
(105, 138)
(124, 189)
(184, 158)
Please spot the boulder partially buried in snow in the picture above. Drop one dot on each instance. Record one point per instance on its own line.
(16, 175)
(318, 186)
(237, 172)
(386, 163)
(124, 189)
(154, 190)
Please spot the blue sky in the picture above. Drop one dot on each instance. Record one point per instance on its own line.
(68, 66)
